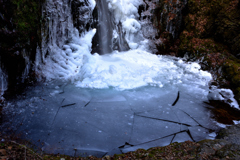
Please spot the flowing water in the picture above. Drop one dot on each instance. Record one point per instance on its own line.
(116, 100)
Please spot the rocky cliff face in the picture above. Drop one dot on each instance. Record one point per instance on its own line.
(211, 35)
(162, 22)
(168, 19)
(19, 25)
(201, 30)
(24, 34)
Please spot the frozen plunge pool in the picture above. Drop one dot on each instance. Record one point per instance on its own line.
(61, 118)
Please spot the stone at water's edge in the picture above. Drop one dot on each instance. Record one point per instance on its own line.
(226, 145)
(231, 134)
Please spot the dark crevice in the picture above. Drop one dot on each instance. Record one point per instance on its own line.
(63, 101)
(164, 120)
(87, 104)
(161, 138)
(75, 151)
(173, 138)
(196, 121)
(55, 117)
(121, 151)
(126, 144)
(103, 155)
(67, 105)
(190, 135)
(176, 99)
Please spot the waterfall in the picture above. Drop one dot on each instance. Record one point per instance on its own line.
(118, 26)
(105, 28)
(110, 35)
(66, 45)
(68, 34)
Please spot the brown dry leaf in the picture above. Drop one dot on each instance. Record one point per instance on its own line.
(3, 157)
(3, 152)
(10, 147)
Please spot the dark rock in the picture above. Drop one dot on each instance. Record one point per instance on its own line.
(211, 35)
(19, 26)
(210, 147)
(226, 146)
(82, 16)
(168, 19)
(231, 134)
(229, 151)
(223, 112)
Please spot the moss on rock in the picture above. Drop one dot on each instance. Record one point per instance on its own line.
(167, 20)
(211, 35)
(19, 34)
(26, 17)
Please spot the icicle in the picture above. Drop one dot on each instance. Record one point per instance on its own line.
(62, 45)
(3, 82)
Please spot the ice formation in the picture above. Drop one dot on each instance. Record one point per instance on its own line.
(222, 94)
(3, 83)
(121, 70)
(68, 55)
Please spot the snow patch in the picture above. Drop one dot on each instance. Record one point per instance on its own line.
(136, 68)
(222, 94)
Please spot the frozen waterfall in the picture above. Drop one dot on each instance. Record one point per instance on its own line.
(66, 53)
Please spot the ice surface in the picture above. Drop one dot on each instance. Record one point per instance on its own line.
(106, 121)
(182, 137)
(198, 133)
(153, 128)
(136, 68)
